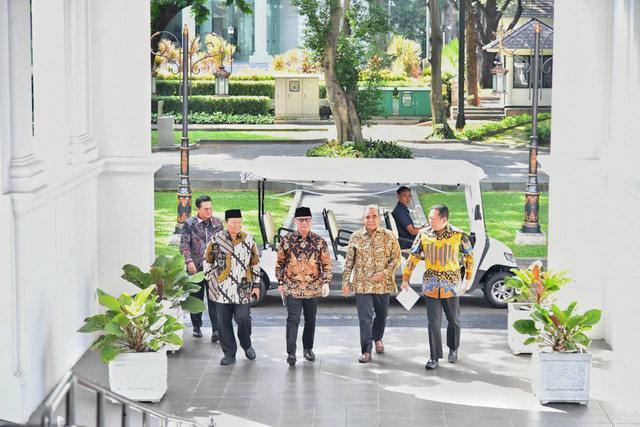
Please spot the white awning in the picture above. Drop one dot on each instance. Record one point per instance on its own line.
(354, 170)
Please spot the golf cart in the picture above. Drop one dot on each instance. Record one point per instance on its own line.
(493, 260)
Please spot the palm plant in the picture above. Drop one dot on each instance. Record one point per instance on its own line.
(406, 53)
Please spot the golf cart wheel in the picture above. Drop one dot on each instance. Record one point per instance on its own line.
(496, 292)
(264, 285)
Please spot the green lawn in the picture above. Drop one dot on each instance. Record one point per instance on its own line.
(215, 135)
(166, 212)
(504, 214)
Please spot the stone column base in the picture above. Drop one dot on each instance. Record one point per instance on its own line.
(523, 238)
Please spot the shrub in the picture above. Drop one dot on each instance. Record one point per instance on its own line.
(544, 133)
(295, 61)
(253, 105)
(407, 55)
(489, 129)
(219, 118)
(369, 148)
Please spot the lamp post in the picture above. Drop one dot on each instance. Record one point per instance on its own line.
(231, 31)
(530, 232)
(389, 4)
(186, 65)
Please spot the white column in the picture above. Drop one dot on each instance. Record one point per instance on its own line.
(577, 190)
(260, 54)
(22, 170)
(82, 146)
(188, 20)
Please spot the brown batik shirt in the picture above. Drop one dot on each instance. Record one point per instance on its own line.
(368, 254)
(303, 265)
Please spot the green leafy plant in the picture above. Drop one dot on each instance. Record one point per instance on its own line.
(170, 282)
(534, 284)
(368, 148)
(562, 330)
(480, 133)
(544, 133)
(406, 54)
(131, 324)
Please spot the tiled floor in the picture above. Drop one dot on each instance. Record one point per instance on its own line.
(488, 386)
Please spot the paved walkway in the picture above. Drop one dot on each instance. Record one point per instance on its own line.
(487, 387)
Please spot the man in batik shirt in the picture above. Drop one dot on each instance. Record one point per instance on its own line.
(373, 255)
(197, 231)
(441, 244)
(233, 272)
(303, 271)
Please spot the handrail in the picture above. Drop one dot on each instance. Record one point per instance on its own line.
(67, 389)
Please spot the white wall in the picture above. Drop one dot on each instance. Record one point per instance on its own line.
(595, 172)
(77, 195)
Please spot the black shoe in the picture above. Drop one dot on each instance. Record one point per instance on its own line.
(215, 337)
(197, 332)
(431, 364)
(250, 353)
(453, 356)
(228, 360)
(291, 359)
(308, 354)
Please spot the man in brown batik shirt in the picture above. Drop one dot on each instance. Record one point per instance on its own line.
(303, 270)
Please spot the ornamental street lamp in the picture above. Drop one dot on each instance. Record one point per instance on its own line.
(186, 63)
(531, 232)
(222, 81)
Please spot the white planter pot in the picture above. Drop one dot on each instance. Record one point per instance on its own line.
(178, 313)
(139, 376)
(561, 377)
(516, 339)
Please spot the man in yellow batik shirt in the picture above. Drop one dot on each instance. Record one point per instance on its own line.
(373, 255)
(441, 244)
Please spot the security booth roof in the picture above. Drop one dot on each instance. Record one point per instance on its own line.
(358, 170)
(522, 39)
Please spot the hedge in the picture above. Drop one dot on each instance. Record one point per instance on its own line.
(207, 87)
(254, 105)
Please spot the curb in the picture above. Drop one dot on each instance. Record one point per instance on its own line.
(261, 141)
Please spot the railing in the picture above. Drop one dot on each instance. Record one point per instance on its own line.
(67, 389)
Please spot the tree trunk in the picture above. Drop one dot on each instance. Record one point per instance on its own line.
(438, 111)
(348, 125)
(472, 58)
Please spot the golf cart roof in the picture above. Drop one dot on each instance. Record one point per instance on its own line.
(355, 170)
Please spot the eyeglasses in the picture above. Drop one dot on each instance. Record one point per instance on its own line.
(305, 219)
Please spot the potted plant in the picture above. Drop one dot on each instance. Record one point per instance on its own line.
(532, 285)
(561, 366)
(172, 284)
(133, 330)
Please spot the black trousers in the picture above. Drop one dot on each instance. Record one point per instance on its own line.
(372, 328)
(241, 313)
(196, 319)
(295, 306)
(451, 307)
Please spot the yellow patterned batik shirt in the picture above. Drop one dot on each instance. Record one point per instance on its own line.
(442, 261)
(368, 254)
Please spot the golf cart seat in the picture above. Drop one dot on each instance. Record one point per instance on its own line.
(338, 237)
(391, 225)
(268, 231)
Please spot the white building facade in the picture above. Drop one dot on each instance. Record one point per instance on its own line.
(594, 193)
(76, 179)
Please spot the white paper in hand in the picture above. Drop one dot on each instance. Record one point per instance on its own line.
(408, 297)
